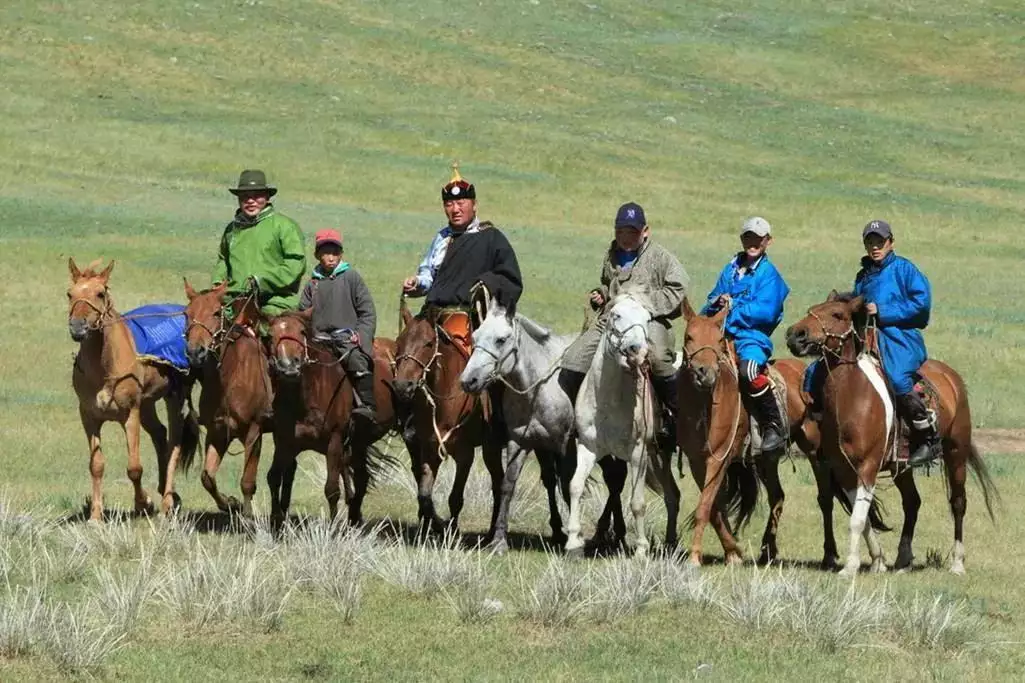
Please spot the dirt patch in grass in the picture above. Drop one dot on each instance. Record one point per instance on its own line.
(1000, 440)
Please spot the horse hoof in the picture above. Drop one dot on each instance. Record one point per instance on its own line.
(575, 553)
(829, 563)
(878, 567)
(957, 569)
(766, 557)
(849, 572)
(558, 539)
(734, 560)
(171, 503)
(145, 509)
(498, 547)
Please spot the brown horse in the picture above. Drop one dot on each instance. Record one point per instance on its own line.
(430, 357)
(855, 438)
(312, 408)
(713, 431)
(237, 396)
(114, 385)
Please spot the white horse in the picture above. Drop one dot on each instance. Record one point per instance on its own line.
(616, 415)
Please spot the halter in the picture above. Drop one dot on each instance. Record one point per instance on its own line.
(514, 350)
(424, 367)
(841, 339)
(301, 341)
(104, 313)
(616, 336)
(721, 358)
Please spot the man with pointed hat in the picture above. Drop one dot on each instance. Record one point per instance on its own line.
(260, 248)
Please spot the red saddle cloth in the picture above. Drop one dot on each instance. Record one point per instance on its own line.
(456, 325)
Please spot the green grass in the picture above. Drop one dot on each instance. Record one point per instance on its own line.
(122, 125)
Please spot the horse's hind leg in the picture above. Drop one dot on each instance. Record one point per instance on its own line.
(768, 472)
(253, 445)
(911, 501)
(585, 461)
(152, 425)
(499, 542)
(670, 493)
(96, 465)
(824, 485)
(955, 462)
(335, 457)
(283, 452)
(361, 478)
(638, 503)
(132, 426)
(425, 471)
(611, 528)
(216, 446)
(548, 460)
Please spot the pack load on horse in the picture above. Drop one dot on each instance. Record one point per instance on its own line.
(860, 436)
(720, 437)
(331, 391)
(634, 260)
(432, 348)
(616, 416)
(124, 365)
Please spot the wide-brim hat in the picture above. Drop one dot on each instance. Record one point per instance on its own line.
(253, 180)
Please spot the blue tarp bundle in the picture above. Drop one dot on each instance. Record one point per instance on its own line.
(159, 332)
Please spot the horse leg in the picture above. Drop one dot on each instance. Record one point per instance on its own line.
(170, 500)
(463, 457)
(861, 502)
(548, 461)
(96, 465)
(824, 485)
(279, 463)
(157, 433)
(670, 493)
(361, 479)
(492, 454)
(335, 459)
(955, 462)
(132, 426)
(768, 472)
(611, 528)
(911, 501)
(638, 503)
(499, 541)
(253, 445)
(216, 446)
(709, 473)
(585, 462)
(425, 471)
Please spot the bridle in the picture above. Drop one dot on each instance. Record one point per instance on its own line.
(104, 313)
(836, 350)
(425, 368)
(514, 350)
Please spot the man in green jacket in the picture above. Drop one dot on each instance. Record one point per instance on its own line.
(261, 247)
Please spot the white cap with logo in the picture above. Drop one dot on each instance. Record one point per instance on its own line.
(757, 225)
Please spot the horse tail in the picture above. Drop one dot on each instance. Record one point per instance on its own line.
(982, 475)
(741, 492)
(876, 510)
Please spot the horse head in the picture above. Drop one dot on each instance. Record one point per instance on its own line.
(705, 348)
(204, 322)
(416, 349)
(495, 349)
(828, 326)
(626, 331)
(89, 301)
(289, 338)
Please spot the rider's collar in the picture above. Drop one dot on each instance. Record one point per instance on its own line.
(474, 226)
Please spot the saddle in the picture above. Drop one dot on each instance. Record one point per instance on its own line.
(456, 325)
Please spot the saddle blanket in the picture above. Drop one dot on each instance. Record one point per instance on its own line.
(159, 333)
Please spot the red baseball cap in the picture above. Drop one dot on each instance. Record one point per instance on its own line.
(328, 236)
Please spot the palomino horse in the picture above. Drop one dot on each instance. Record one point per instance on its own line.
(237, 397)
(312, 408)
(858, 426)
(713, 431)
(114, 385)
(431, 352)
(616, 416)
(516, 351)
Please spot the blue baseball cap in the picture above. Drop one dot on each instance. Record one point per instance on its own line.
(631, 215)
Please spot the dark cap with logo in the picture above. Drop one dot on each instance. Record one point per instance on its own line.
(631, 215)
(877, 227)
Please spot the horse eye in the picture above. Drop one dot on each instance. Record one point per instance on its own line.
(69, 296)
(501, 341)
(102, 295)
(838, 315)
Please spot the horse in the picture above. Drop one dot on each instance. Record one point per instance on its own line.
(522, 355)
(859, 431)
(237, 396)
(616, 415)
(431, 352)
(114, 385)
(312, 408)
(713, 431)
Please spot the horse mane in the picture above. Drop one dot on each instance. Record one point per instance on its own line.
(859, 318)
(93, 269)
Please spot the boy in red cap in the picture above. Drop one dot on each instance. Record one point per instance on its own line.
(343, 316)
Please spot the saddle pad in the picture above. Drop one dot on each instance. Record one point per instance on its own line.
(457, 326)
(159, 333)
(874, 373)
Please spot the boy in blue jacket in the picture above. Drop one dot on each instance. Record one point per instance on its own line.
(754, 291)
(899, 297)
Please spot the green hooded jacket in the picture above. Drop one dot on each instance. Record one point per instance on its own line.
(269, 249)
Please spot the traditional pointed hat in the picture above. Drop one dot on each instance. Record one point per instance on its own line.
(458, 187)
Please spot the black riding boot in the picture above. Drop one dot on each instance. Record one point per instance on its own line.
(924, 441)
(570, 382)
(766, 413)
(666, 391)
(367, 410)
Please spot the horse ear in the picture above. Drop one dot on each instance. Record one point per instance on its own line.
(73, 269)
(686, 309)
(105, 273)
(306, 314)
(833, 295)
(857, 303)
(190, 293)
(720, 317)
(404, 315)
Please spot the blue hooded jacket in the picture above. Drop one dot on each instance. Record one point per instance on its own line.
(757, 307)
(903, 298)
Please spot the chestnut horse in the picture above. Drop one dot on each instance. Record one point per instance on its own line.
(429, 359)
(312, 408)
(237, 396)
(713, 431)
(855, 437)
(114, 385)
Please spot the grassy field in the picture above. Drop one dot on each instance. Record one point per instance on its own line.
(121, 127)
